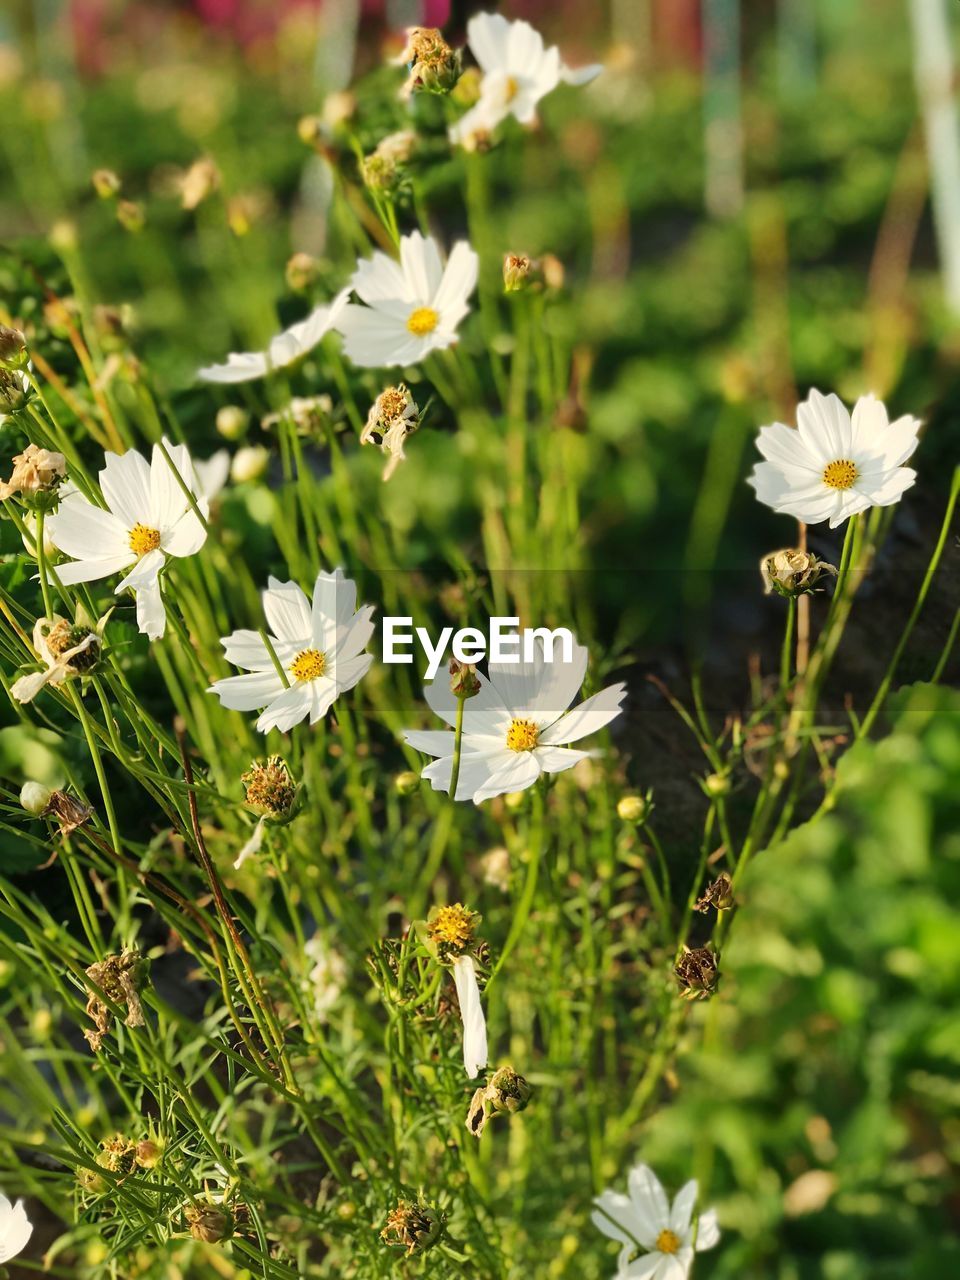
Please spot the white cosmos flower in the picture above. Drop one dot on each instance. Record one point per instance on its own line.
(15, 1228)
(414, 306)
(212, 474)
(147, 518)
(514, 728)
(644, 1221)
(518, 70)
(835, 465)
(471, 1012)
(320, 648)
(290, 345)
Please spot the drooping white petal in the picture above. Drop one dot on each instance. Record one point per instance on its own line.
(240, 366)
(471, 1011)
(253, 845)
(283, 349)
(151, 615)
(580, 75)
(144, 572)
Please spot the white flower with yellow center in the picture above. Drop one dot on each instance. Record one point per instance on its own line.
(284, 349)
(834, 464)
(518, 70)
(659, 1240)
(318, 648)
(515, 728)
(147, 517)
(413, 306)
(15, 1228)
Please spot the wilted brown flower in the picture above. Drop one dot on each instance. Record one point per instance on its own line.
(35, 470)
(516, 271)
(413, 1226)
(719, 895)
(393, 417)
(792, 572)
(434, 66)
(697, 972)
(209, 1222)
(68, 812)
(117, 1154)
(120, 978)
(505, 1093)
(67, 648)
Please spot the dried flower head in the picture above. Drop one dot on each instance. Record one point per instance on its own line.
(120, 978)
(413, 1226)
(506, 1092)
(792, 572)
(434, 67)
(131, 215)
(393, 417)
(66, 648)
(697, 971)
(117, 1155)
(67, 811)
(269, 787)
(149, 1152)
(452, 930)
(718, 895)
(34, 471)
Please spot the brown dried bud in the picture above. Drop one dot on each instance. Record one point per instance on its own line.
(131, 215)
(792, 572)
(505, 1093)
(718, 895)
(148, 1153)
(516, 271)
(34, 471)
(434, 66)
(211, 1223)
(697, 971)
(464, 681)
(13, 347)
(120, 978)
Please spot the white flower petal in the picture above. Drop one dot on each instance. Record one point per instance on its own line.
(475, 770)
(240, 366)
(649, 1202)
(682, 1210)
(213, 473)
(248, 692)
(646, 1267)
(580, 75)
(187, 536)
(589, 717)
(421, 266)
(432, 742)
(708, 1231)
(125, 482)
(558, 759)
(515, 774)
(825, 427)
(253, 845)
(144, 572)
(616, 1218)
(287, 611)
(15, 1229)
(488, 35)
(151, 615)
(471, 1012)
(287, 709)
(90, 570)
(168, 501)
(79, 529)
(350, 672)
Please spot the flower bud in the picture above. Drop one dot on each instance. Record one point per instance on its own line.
(516, 271)
(632, 808)
(105, 183)
(148, 1153)
(716, 784)
(792, 572)
(464, 681)
(232, 421)
(310, 130)
(210, 1223)
(407, 782)
(249, 463)
(338, 108)
(198, 182)
(13, 348)
(35, 797)
(131, 215)
(302, 271)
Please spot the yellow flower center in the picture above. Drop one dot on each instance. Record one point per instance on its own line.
(522, 735)
(512, 88)
(422, 321)
(840, 474)
(668, 1241)
(453, 925)
(143, 539)
(309, 665)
